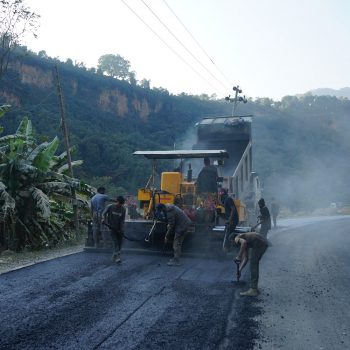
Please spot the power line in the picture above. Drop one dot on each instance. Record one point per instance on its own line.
(33, 107)
(168, 46)
(180, 42)
(196, 41)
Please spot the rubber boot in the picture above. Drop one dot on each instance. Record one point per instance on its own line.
(174, 262)
(116, 257)
(250, 293)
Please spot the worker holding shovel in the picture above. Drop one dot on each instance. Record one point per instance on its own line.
(258, 245)
(178, 224)
(114, 217)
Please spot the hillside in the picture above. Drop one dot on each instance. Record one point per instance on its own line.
(344, 92)
(108, 119)
(301, 146)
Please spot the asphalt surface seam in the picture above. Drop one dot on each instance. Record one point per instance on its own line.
(230, 324)
(133, 312)
(231, 321)
(127, 318)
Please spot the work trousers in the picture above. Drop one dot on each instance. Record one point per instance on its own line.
(117, 238)
(98, 228)
(229, 237)
(274, 219)
(177, 243)
(263, 231)
(255, 256)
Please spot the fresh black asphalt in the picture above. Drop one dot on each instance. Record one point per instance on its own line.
(83, 301)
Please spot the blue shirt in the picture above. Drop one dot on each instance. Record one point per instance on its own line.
(98, 202)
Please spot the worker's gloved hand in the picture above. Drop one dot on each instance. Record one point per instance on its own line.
(237, 260)
(167, 237)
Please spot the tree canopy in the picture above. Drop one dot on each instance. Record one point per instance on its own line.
(115, 66)
(16, 20)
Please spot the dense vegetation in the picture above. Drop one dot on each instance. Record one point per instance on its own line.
(35, 191)
(105, 139)
(300, 143)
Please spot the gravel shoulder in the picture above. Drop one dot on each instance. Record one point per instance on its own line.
(10, 261)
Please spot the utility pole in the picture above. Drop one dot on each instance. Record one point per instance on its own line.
(66, 142)
(236, 99)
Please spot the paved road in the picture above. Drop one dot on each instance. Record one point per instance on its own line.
(84, 302)
(305, 281)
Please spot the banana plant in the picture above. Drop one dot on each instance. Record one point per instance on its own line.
(30, 175)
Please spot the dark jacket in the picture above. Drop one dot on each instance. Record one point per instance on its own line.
(265, 218)
(114, 217)
(207, 180)
(177, 219)
(229, 204)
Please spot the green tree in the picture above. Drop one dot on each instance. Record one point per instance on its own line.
(145, 83)
(69, 61)
(43, 54)
(80, 65)
(16, 20)
(114, 65)
(162, 90)
(132, 78)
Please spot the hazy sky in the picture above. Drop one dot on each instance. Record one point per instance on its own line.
(271, 48)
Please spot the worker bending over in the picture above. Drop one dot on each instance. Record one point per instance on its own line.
(177, 226)
(258, 245)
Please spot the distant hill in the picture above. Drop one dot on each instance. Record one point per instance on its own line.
(343, 92)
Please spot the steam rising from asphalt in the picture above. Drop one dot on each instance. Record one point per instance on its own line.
(317, 184)
(187, 141)
(305, 183)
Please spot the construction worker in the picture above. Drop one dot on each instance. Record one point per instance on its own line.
(275, 208)
(177, 226)
(231, 217)
(98, 204)
(258, 245)
(207, 178)
(114, 217)
(231, 212)
(264, 217)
